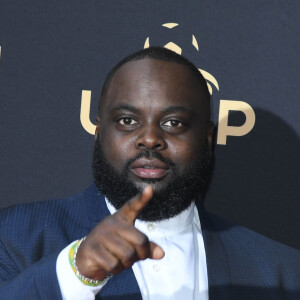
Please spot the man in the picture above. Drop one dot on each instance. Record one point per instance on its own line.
(141, 232)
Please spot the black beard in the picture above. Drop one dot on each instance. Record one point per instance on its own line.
(166, 203)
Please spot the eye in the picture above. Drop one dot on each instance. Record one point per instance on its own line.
(127, 121)
(173, 123)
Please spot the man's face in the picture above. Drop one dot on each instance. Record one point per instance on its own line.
(154, 124)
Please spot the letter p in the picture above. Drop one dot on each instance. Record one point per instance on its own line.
(224, 130)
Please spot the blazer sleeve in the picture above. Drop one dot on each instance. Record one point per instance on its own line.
(29, 246)
(31, 237)
(39, 281)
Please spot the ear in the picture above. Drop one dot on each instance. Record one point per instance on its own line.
(210, 134)
(97, 127)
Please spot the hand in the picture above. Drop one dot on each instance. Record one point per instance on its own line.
(115, 244)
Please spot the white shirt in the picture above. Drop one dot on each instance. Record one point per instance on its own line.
(180, 274)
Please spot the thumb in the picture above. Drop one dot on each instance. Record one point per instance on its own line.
(156, 252)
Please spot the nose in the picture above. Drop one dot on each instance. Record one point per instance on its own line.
(150, 138)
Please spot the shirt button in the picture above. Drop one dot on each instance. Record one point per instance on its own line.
(156, 268)
(150, 226)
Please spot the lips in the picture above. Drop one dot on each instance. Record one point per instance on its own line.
(146, 168)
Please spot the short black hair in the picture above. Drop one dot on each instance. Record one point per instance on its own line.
(157, 53)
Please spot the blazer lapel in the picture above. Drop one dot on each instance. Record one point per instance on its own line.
(216, 258)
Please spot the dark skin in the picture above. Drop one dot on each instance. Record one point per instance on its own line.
(153, 105)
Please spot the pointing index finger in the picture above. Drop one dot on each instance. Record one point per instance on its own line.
(131, 209)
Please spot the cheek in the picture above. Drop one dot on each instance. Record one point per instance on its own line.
(185, 151)
(117, 149)
(182, 156)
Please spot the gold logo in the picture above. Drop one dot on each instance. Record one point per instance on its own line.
(224, 129)
(210, 79)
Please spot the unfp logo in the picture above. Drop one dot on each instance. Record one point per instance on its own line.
(225, 106)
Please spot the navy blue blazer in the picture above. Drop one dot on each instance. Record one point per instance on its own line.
(241, 264)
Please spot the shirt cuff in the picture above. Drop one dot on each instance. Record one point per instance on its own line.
(70, 286)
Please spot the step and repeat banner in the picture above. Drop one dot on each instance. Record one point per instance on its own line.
(55, 56)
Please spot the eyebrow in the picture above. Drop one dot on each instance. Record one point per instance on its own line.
(126, 107)
(175, 109)
(134, 109)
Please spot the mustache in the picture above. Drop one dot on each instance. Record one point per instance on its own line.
(150, 154)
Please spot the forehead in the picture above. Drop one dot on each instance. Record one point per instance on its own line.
(149, 84)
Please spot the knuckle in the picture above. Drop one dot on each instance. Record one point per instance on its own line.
(129, 260)
(120, 218)
(143, 253)
(128, 257)
(108, 222)
(143, 240)
(127, 264)
(113, 266)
